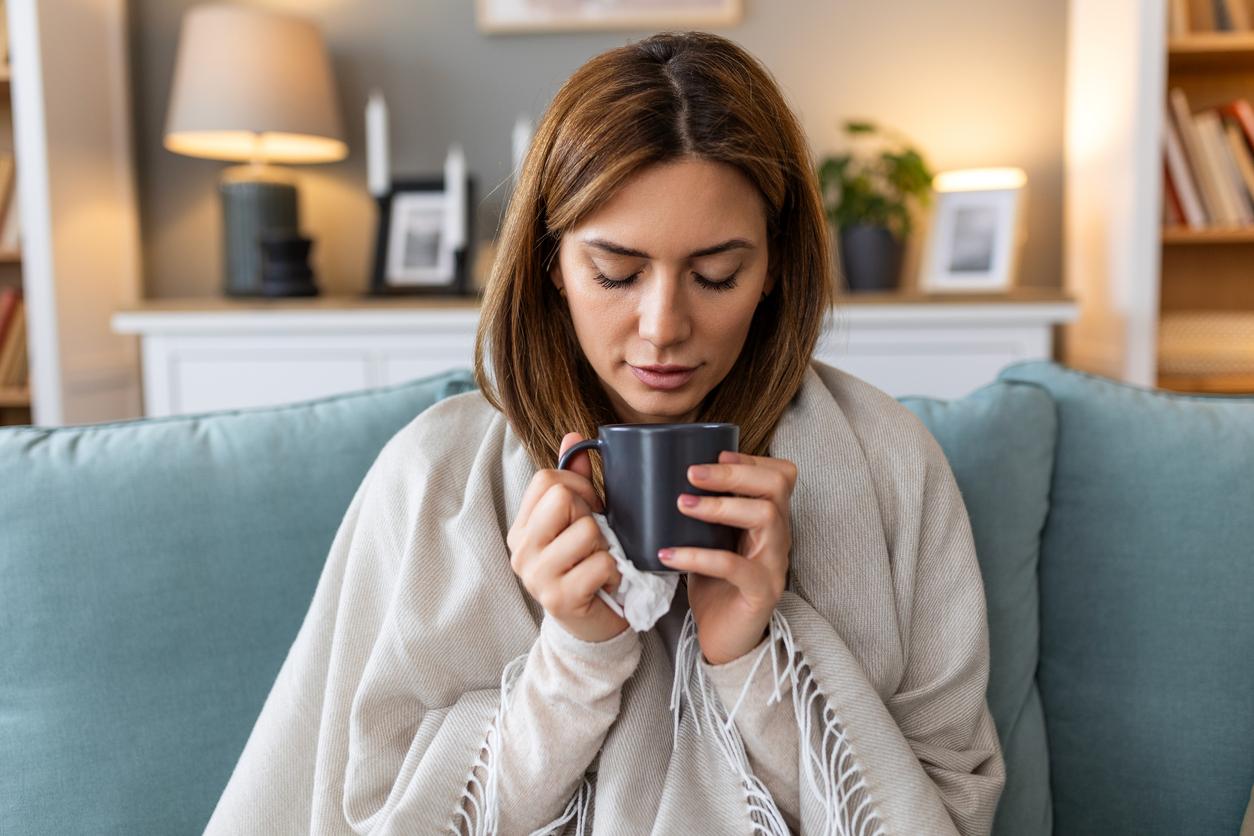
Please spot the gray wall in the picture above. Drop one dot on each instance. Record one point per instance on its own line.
(971, 82)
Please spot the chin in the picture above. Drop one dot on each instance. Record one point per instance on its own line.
(666, 407)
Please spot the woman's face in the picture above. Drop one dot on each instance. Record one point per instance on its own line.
(688, 240)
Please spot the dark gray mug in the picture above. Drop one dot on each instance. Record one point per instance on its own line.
(646, 469)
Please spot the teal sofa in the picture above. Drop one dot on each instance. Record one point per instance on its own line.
(153, 574)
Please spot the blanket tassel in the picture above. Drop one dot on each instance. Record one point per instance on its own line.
(832, 774)
(483, 817)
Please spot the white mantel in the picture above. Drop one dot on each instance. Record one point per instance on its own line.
(208, 354)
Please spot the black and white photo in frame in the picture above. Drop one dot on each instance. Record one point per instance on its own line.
(976, 232)
(416, 251)
(421, 245)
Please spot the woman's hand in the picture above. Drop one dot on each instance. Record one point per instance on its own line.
(732, 594)
(559, 553)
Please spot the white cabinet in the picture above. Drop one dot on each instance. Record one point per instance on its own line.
(201, 355)
(939, 349)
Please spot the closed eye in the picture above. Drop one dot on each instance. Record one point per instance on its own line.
(716, 285)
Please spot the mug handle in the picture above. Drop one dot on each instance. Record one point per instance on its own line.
(586, 444)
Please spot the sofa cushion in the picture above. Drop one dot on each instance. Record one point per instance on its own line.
(1147, 627)
(999, 441)
(153, 574)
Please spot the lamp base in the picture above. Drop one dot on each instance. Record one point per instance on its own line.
(286, 271)
(257, 201)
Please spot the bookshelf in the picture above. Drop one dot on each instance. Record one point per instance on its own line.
(1209, 269)
(1220, 52)
(1163, 304)
(67, 115)
(15, 396)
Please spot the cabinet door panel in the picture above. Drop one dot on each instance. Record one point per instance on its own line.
(933, 362)
(224, 380)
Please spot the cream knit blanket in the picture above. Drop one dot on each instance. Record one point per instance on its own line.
(418, 626)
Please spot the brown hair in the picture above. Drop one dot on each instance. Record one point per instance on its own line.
(671, 95)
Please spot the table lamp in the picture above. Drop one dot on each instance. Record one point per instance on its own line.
(255, 86)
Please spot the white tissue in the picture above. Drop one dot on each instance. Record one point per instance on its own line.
(642, 597)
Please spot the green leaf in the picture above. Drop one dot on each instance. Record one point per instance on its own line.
(877, 188)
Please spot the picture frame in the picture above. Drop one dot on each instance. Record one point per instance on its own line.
(974, 241)
(411, 255)
(531, 16)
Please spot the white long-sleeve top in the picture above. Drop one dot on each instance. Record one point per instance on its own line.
(567, 697)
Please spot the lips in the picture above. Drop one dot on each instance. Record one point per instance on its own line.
(664, 377)
(667, 369)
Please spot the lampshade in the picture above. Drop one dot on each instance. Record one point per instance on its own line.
(253, 84)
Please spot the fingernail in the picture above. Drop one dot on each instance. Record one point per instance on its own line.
(698, 471)
(730, 457)
(665, 554)
(688, 500)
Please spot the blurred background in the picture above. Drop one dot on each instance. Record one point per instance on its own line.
(221, 205)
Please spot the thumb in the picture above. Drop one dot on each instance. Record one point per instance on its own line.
(581, 463)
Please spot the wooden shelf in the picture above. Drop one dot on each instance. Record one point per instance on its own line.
(15, 396)
(1211, 51)
(1210, 235)
(1208, 384)
(913, 295)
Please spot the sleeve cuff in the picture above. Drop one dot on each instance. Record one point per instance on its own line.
(612, 648)
(730, 676)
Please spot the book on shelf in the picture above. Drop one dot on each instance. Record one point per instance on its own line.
(9, 297)
(10, 224)
(1180, 184)
(1232, 190)
(7, 192)
(1185, 18)
(1209, 162)
(10, 227)
(13, 359)
(1242, 154)
(1173, 211)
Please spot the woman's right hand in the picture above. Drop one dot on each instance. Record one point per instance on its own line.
(559, 553)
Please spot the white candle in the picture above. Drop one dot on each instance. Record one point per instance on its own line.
(455, 194)
(520, 141)
(377, 144)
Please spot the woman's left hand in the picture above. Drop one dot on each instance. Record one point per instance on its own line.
(732, 594)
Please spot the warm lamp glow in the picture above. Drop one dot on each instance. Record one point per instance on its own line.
(245, 145)
(979, 180)
(252, 84)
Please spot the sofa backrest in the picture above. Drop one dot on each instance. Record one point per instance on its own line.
(1147, 607)
(999, 441)
(153, 575)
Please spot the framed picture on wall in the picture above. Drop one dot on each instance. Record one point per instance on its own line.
(973, 242)
(413, 249)
(505, 16)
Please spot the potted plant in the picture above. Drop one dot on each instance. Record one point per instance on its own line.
(867, 197)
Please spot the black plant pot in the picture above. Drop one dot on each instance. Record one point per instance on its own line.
(870, 257)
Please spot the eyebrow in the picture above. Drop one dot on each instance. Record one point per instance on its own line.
(619, 249)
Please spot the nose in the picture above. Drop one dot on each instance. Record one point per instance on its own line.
(664, 311)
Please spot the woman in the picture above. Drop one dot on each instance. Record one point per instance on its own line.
(457, 670)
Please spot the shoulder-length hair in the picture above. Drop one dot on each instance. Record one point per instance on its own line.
(672, 95)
